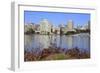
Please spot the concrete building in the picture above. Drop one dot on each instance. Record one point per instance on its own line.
(69, 27)
(37, 29)
(85, 26)
(53, 29)
(88, 25)
(57, 30)
(29, 26)
(45, 27)
(62, 29)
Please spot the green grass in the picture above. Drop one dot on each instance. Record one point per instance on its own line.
(55, 57)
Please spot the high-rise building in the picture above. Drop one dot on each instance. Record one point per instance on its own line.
(87, 26)
(45, 27)
(70, 25)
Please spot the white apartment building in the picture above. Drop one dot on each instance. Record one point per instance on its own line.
(45, 27)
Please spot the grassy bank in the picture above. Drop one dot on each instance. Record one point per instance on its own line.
(56, 54)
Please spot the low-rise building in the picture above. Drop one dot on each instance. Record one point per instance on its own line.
(57, 30)
(29, 26)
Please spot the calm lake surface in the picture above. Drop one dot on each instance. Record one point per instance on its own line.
(37, 42)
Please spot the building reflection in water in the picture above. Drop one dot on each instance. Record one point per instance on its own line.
(39, 42)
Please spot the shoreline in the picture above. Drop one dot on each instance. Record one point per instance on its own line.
(59, 34)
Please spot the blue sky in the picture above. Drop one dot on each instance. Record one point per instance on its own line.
(56, 18)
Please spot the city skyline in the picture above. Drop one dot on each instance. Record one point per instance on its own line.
(56, 18)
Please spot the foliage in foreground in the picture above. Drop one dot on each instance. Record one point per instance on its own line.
(56, 54)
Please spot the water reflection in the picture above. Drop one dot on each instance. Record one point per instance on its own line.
(39, 42)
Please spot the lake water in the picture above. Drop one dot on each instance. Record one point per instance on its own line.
(38, 42)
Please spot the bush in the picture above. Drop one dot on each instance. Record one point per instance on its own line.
(30, 31)
(70, 33)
